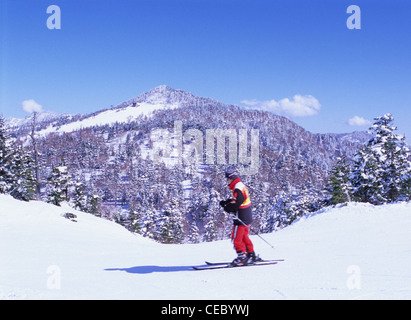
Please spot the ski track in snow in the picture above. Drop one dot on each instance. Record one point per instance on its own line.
(354, 252)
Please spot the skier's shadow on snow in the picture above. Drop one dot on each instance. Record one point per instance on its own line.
(152, 269)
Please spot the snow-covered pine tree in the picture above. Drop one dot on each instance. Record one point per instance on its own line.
(16, 168)
(281, 214)
(149, 223)
(135, 217)
(58, 185)
(302, 201)
(214, 215)
(93, 205)
(35, 154)
(292, 205)
(364, 177)
(338, 185)
(382, 169)
(170, 226)
(23, 185)
(261, 205)
(194, 233)
(80, 199)
(5, 175)
(394, 161)
(210, 228)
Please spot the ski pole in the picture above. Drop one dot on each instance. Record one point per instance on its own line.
(241, 221)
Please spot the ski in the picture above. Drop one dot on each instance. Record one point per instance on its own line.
(229, 266)
(219, 263)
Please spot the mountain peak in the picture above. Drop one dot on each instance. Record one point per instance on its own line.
(164, 95)
(162, 88)
(159, 94)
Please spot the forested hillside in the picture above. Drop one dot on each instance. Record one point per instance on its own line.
(107, 163)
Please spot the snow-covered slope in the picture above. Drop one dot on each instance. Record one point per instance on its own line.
(143, 105)
(354, 252)
(110, 116)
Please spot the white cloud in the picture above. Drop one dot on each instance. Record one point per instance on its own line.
(299, 106)
(31, 106)
(358, 121)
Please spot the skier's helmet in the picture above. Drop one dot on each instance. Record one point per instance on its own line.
(231, 173)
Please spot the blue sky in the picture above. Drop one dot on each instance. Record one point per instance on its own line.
(278, 55)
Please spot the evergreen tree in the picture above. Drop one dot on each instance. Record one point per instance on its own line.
(149, 223)
(261, 204)
(23, 185)
(382, 168)
(5, 176)
(194, 235)
(210, 227)
(16, 169)
(214, 216)
(136, 218)
(93, 205)
(58, 185)
(364, 178)
(80, 198)
(291, 206)
(394, 159)
(281, 214)
(170, 226)
(338, 185)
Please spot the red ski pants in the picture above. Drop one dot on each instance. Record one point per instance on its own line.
(241, 241)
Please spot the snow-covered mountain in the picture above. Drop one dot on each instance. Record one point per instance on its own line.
(165, 96)
(358, 251)
(44, 116)
(111, 152)
(160, 98)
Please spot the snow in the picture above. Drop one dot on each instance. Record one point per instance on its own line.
(358, 251)
(111, 116)
(41, 116)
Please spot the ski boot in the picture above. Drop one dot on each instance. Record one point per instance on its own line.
(253, 258)
(241, 260)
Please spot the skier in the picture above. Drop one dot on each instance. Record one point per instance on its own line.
(240, 206)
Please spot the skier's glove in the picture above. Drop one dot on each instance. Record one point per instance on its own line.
(223, 203)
